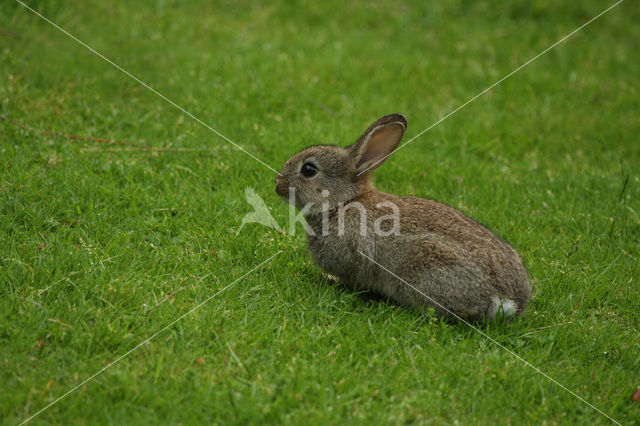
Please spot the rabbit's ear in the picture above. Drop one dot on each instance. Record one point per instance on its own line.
(377, 142)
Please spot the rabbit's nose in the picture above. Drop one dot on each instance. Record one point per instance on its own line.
(281, 186)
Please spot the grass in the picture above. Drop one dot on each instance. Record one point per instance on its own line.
(94, 237)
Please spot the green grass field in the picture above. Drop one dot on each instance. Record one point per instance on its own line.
(102, 245)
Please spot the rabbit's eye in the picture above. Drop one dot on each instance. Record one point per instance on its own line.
(308, 170)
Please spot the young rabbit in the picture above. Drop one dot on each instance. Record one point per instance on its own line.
(418, 252)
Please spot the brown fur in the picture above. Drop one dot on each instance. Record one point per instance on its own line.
(447, 256)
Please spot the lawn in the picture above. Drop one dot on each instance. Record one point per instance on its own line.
(104, 244)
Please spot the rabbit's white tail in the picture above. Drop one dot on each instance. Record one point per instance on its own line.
(506, 307)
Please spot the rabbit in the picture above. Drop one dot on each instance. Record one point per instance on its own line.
(437, 257)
